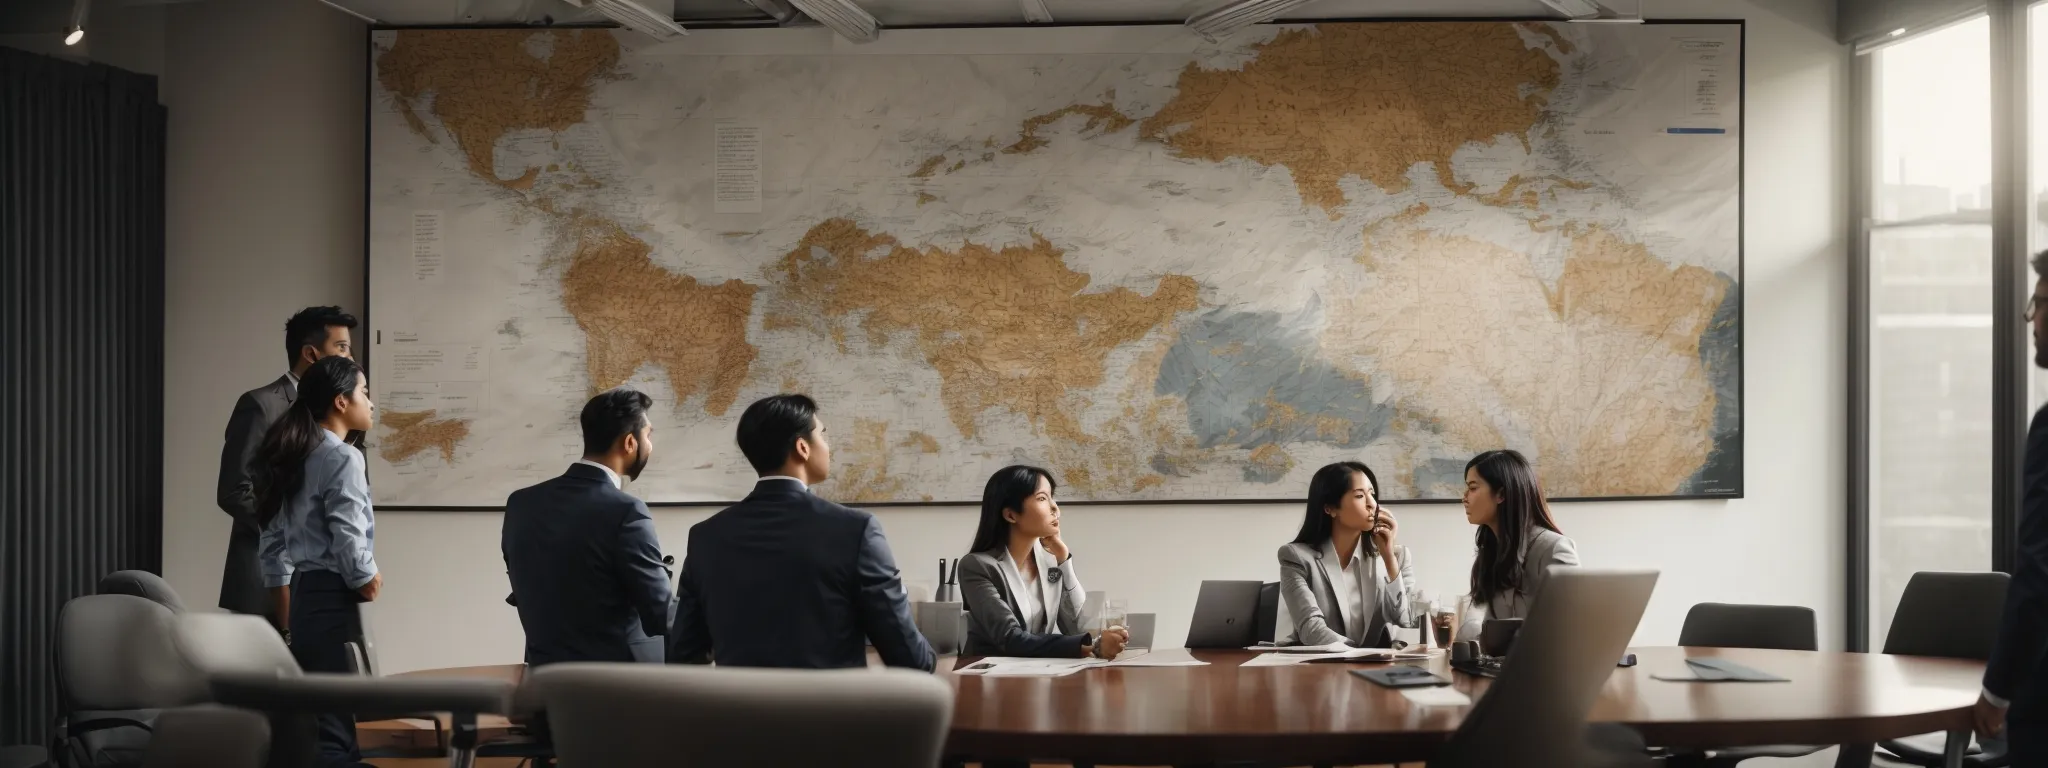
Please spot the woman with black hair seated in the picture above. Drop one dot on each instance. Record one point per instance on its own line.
(1517, 541)
(1343, 579)
(1018, 582)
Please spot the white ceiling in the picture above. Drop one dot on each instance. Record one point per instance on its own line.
(907, 13)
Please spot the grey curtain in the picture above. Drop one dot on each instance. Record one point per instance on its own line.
(81, 354)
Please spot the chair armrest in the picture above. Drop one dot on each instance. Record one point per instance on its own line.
(332, 693)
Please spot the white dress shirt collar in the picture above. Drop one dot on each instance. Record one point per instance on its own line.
(799, 483)
(608, 473)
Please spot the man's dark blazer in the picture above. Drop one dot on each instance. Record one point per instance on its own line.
(586, 570)
(241, 579)
(2017, 671)
(787, 579)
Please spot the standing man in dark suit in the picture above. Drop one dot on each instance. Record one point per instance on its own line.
(2015, 698)
(586, 568)
(312, 334)
(787, 579)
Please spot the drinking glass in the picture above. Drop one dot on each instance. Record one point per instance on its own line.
(1113, 613)
(1443, 620)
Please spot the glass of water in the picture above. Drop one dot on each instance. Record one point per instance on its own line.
(1113, 613)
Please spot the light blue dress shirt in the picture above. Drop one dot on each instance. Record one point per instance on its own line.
(327, 525)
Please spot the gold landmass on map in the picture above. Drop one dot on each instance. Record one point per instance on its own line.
(864, 473)
(486, 83)
(1102, 118)
(1011, 328)
(415, 432)
(1601, 372)
(1370, 100)
(634, 312)
(921, 442)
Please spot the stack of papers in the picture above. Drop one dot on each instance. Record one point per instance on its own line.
(1012, 666)
(1285, 656)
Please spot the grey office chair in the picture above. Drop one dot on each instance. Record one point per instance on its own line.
(1946, 615)
(209, 736)
(142, 584)
(1725, 625)
(1535, 714)
(607, 715)
(245, 664)
(115, 671)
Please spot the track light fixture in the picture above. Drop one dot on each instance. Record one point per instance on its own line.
(76, 32)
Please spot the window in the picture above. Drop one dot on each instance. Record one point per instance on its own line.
(1931, 328)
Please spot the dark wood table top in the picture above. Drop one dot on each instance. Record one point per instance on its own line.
(1320, 713)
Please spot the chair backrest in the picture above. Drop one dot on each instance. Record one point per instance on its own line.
(1266, 623)
(1729, 625)
(629, 714)
(212, 644)
(115, 652)
(366, 619)
(1535, 713)
(1950, 615)
(142, 584)
(209, 736)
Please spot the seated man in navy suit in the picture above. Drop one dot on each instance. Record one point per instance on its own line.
(787, 579)
(586, 568)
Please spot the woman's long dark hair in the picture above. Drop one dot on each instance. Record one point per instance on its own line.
(281, 461)
(1497, 566)
(1328, 489)
(1007, 489)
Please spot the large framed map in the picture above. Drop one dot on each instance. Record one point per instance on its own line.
(1169, 270)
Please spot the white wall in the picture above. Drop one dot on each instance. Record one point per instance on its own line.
(266, 188)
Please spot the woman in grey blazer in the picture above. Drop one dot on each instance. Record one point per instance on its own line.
(1518, 542)
(1022, 596)
(1343, 579)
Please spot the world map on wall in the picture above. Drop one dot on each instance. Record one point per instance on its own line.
(1163, 268)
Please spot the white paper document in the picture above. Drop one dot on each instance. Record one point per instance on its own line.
(1164, 657)
(1292, 655)
(1436, 696)
(1011, 666)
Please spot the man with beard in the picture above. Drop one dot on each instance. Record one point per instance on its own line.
(587, 571)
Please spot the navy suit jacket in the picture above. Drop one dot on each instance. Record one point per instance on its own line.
(2016, 670)
(787, 579)
(586, 570)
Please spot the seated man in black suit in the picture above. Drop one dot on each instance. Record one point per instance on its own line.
(586, 568)
(787, 579)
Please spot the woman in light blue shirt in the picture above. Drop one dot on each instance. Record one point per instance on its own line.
(313, 502)
(1343, 579)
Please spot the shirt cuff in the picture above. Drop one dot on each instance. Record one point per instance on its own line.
(1995, 700)
(273, 582)
(364, 577)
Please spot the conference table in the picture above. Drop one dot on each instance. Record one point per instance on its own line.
(1321, 714)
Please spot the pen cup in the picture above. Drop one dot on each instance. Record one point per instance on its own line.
(943, 625)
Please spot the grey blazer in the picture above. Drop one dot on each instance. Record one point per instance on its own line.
(1312, 602)
(1543, 551)
(241, 581)
(995, 624)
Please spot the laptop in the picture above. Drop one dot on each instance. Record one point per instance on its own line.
(1226, 615)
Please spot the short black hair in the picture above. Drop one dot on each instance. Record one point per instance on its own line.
(772, 425)
(613, 415)
(2040, 262)
(309, 328)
